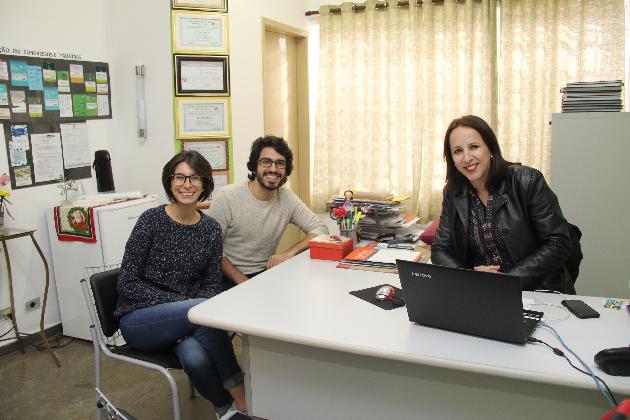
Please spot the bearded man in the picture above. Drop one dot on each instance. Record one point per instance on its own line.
(254, 214)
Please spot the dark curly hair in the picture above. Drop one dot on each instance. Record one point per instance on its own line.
(198, 163)
(455, 181)
(278, 144)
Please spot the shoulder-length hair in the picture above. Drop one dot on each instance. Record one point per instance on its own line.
(455, 181)
(198, 163)
(278, 144)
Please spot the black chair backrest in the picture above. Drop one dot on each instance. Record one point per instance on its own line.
(573, 263)
(105, 291)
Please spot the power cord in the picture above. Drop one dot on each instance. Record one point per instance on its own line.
(587, 371)
(10, 330)
(560, 353)
(539, 302)
(55, 341)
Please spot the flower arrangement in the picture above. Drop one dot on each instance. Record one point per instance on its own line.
(347, 219)
(66, 186)
(3, 204)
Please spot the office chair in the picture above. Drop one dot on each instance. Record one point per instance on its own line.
(101, 295)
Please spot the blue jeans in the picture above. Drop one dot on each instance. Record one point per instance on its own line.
(206, 353)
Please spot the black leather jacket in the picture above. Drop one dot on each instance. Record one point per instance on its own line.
(529, 218)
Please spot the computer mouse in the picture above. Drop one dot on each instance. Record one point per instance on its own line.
(385, 292)
(615, 361)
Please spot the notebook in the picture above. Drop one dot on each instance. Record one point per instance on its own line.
(466, 301)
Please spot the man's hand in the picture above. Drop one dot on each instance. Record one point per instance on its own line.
(239, 278)
(231, 272)
(278, 258)
(489, 268)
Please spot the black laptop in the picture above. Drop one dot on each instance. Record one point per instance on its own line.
(472, 302)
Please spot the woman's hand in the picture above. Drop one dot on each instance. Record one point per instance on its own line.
(489, 268)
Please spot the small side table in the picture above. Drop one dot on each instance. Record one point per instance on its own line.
(6, 234)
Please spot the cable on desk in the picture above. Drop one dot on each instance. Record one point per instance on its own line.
(539, 302)
(560, 353)
(596, 379)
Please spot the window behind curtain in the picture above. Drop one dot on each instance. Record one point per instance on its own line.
(391, 81)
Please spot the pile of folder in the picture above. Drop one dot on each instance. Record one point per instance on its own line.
(386, 217)
(379, 257)
(601, 96)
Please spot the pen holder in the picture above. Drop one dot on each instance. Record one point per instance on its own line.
(350, 233)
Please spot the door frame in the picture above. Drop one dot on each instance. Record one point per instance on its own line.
(303, 121)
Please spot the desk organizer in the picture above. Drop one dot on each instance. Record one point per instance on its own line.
(330, 247)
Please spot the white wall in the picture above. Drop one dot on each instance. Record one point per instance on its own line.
(24, 27)
(124, 34)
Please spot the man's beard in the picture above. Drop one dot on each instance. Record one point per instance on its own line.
(261, 181)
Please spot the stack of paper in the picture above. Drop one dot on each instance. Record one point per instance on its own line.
(385, 216)
(601, 96)
(375, 257)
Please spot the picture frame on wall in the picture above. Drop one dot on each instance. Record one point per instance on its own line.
(207, 5)
(200, 32)
(202, 117)
(221, 179)
(214, 150)
(202, 75)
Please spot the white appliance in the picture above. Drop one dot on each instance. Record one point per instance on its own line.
(113, 224)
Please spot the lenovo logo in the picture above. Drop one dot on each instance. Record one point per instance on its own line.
(423, 275)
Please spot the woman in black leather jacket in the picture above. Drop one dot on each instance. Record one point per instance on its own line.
(499, 216)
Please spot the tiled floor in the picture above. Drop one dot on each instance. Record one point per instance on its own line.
(33, 387)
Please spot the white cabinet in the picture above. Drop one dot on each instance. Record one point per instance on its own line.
(113, 224)
(590, 173)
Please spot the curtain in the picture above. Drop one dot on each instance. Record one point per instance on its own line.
(543, 46)
(390, 81)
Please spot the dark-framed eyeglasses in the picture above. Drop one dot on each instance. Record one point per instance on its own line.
(179, 179)
(266, 162)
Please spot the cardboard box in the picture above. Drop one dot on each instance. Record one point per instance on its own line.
(327, 247)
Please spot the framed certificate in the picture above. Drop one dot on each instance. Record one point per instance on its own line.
(221, 179)
(202, 75)
(200, 32)
(215, 151)
(202, 117)
(208, 5)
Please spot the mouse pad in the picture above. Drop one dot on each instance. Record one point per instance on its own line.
(368, 296)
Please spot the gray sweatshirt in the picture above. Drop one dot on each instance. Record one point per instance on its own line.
(253, 228)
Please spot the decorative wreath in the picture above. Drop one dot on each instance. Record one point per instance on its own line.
(77, 218)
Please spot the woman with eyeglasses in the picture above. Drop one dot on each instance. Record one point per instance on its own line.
(172, 262)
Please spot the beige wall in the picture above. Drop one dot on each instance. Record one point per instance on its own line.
(124, 34)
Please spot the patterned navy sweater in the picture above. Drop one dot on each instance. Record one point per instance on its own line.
(166, 261)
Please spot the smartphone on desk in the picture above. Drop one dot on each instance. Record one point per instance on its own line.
(580, 309)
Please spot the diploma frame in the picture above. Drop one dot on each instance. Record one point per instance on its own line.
(191, 90)
(220, 174)
(185, 42)
(190, 145)
(183, 114)
(207, 5)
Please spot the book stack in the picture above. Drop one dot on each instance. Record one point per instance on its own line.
(380, 257)
(386, 215)
(601, 96)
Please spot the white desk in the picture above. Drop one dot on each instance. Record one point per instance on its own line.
(312, 351)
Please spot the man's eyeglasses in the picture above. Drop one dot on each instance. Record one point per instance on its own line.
(179, 179)
(266, 162)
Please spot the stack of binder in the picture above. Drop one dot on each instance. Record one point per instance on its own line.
(386, 215)
(601, 96)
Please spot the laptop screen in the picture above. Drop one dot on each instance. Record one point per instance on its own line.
(467, 301)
